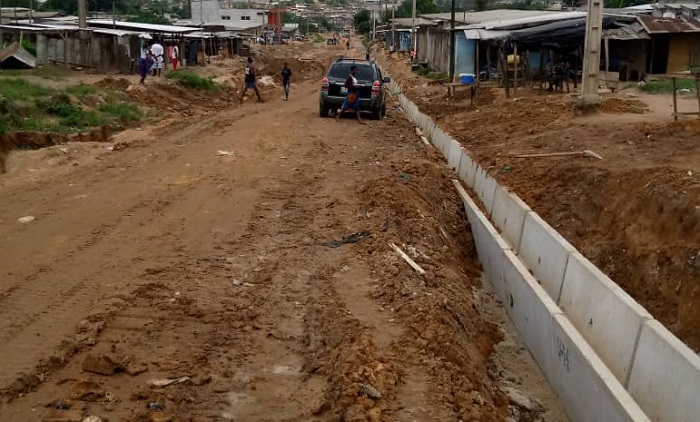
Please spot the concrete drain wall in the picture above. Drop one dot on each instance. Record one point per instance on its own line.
(601, 351)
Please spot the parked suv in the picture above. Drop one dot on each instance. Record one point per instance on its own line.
(372, 95)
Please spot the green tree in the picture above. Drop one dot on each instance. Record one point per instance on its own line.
(363, 22)
(422, 7)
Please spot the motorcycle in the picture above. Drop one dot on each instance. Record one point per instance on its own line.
(489, 74)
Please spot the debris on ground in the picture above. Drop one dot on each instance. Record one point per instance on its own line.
(26, 219)
(103, 365)
(351, 238)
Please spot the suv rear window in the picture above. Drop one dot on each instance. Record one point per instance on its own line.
(342, 70)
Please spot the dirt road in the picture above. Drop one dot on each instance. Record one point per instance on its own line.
(193, 256)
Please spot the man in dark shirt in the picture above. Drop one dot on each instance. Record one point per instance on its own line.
(250, 79)
(286, 77)
(353, 98)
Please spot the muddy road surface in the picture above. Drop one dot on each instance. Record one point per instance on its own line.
(207, 272)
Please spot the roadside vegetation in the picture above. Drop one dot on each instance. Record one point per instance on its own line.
(25, 106)
(192, 80)
(665, 86)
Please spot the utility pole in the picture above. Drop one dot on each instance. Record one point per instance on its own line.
(414, 35)
(393, 28)
(452, 42)
(82, 14)
(1, 34)
(591, 54)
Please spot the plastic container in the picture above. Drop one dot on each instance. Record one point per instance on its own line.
(513, 59)
(466, 78)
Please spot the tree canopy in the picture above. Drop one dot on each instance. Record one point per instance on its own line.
(422, 7)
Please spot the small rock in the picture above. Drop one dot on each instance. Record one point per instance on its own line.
(199, 381)
(26, 219)
(103, 365)
(92, 419)
(369, 391)
(155, 406)
(60, 405)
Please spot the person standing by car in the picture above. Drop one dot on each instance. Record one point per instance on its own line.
(250, 80)
(286, 78)
(352, 100)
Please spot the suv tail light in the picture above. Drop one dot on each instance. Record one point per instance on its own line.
(324, 84)
(376, 87)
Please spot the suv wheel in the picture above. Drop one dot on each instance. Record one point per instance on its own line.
(323, 111)
(377, 114)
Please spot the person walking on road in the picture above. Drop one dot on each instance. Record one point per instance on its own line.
(174, 55)
(286, 79)
(157, 50)
(352, 100)
(145, 57)
(250, 80)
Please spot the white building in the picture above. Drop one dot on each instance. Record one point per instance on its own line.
(214, 12)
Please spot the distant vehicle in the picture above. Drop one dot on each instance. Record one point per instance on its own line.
(299, 38)
(372, 93)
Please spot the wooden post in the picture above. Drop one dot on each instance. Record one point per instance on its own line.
(488, 61)
(515, 66)
(543, 73)
(697, 90)
(476, 78)
(607, 57)
(675, 100)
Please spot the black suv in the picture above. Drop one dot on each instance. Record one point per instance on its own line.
(372, 95)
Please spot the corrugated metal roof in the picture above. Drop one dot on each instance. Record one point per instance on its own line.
(485, 34)
(655, 25)
(490, 15)
(171, 29)
(522, 22)
(407, 22)
(634, 31)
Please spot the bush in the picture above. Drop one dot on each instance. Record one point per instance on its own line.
(18, 89)
(664, 85)
(192, 80)
(81, 90)
(125, 112)
(29, 46)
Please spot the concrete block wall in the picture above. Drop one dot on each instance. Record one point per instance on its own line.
(642, 371)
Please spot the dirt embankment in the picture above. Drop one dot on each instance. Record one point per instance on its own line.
(635, 214)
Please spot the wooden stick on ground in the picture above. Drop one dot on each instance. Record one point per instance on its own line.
(587, 152)
(408, 259)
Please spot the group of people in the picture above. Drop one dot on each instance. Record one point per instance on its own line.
(152, 57)
(250, 81)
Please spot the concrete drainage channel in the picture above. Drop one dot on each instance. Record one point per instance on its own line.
(605, 356)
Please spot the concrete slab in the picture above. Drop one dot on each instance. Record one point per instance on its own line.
(485, 188)
(586, 387)
(665, 378)
(508, 215)
(607, 317)
(545, 252)
(454, 155)
(440, 140)
(530, 309)
(465, 165)
(489, 245)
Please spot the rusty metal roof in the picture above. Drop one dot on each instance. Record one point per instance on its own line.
(654, 25)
